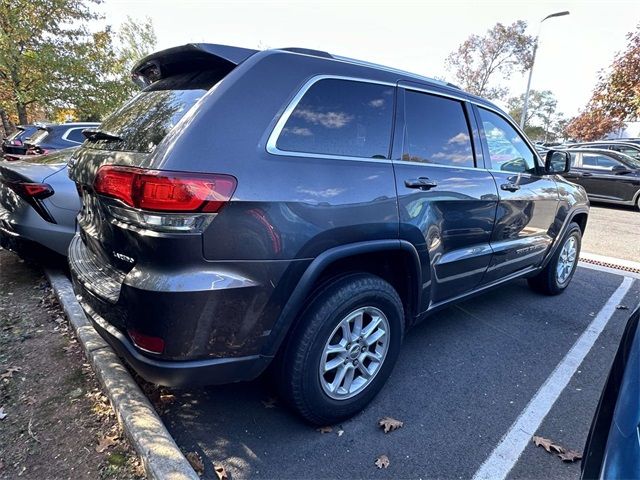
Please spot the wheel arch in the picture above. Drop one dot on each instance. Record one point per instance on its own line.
(396, 261)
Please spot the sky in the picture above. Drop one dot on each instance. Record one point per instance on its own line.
(415, 36)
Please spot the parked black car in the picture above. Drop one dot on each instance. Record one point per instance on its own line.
(628, 148)
(613, 446)
(607, 176)
(48, 138)
(14, 143)
(300, 209)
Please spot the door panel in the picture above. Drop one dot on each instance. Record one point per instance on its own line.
(446, 205)
(525, 216)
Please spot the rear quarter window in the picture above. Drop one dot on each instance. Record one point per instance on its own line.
(341, 118)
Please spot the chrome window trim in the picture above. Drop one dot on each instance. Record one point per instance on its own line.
(272, 149)
(277, 130)
(66, 134)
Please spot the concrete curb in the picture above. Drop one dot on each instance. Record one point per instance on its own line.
(161, 457)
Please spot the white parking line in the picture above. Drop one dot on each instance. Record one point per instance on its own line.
(508, 451)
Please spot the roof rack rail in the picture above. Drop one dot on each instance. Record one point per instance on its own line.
(307, 51)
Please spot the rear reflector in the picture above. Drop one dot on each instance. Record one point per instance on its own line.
(147, 342)
(164, 191)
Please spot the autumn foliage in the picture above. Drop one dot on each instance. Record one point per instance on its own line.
(616, 97)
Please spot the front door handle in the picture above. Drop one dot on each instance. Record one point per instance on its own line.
(586, 174)
(422, 183)
(510, 187)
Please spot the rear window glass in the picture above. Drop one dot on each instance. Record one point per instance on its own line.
(76, 135)
(39, 136)
(342, 118)
(144, 121)
(59, 156)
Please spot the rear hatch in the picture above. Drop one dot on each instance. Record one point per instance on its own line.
(173, 81)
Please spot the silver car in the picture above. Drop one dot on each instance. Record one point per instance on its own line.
(38, 202)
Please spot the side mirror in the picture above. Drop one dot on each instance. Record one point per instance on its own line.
(620, 170)
(557, 161)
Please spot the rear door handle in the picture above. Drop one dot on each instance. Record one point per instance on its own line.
(509, 186)
(586, 174)
(421, 183)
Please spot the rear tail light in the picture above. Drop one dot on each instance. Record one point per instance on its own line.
(162, 191)
(146, 342)
(31, 190)
(33, 194)
(163, 200)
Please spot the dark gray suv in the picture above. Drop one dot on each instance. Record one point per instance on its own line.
(302, 210)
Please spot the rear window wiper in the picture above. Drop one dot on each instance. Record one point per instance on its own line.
(95, 134)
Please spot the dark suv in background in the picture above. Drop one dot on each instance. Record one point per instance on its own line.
(51, 137)
(300, 209)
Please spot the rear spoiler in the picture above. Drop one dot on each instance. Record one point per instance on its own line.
(192, 57)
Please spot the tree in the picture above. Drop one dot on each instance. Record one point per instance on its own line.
(616, 97)
(51, 60)
(503, 50)
(38, 43)
(109, 65)
(542, 118)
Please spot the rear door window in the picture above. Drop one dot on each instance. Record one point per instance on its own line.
(341, 118)
(436, 131)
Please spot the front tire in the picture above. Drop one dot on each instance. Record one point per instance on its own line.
(557, 275)
(343, 349)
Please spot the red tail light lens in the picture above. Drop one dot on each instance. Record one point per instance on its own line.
(31, 190)
(147, 342)
(164, 191)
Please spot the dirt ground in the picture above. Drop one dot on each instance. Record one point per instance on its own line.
(55, 423)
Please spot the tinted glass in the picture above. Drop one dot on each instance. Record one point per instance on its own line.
(341, 117)
(144, 121)
(592, 160)
(436, 131)
(632, 152)
(507, 149)
(76, 135)
(59, 156)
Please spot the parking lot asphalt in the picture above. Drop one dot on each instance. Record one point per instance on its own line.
(613, 231)
(463, 378)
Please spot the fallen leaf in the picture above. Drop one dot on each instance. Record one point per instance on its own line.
(269, 402)
(9, 372)
(105, 443)
(2, 414)
(340, 432)
(390, 424)
(196, 462)
(622, 307)
(548, 445)
(382, 461)
(324, 429)
(220, 472)
(570, 456)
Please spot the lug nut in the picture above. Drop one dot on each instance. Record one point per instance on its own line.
(364, 348)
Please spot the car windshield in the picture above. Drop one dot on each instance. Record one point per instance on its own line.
(143, 122)
(630, 160)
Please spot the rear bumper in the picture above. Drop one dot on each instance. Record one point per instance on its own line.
(214, 318)
(176, 373)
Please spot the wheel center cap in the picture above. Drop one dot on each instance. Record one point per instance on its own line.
(354, 352)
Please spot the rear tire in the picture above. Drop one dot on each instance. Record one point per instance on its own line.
(557, 275)
(351, 329)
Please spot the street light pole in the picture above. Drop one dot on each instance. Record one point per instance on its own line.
(533, 60)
